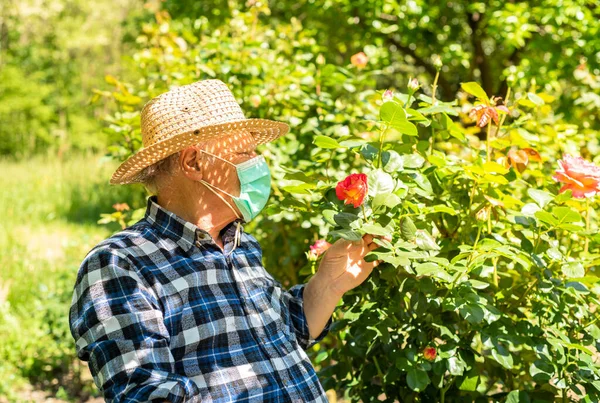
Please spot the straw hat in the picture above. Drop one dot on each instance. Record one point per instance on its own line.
(187, 115)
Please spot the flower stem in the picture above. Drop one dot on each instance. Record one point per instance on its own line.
(364, 213)
(434, 87)
(487, 142)
(587, 225)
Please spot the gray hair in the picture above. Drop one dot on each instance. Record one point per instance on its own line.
(150, 174)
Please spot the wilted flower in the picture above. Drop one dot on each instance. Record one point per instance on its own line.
(353, 189)
(483, 113)
(388, 95)
(579, 175)
(483, 214)
(318, 248)
(429, 353)
(519, 159)
(359, 60)
(121, 206)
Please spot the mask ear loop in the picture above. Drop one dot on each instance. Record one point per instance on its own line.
(238, 230)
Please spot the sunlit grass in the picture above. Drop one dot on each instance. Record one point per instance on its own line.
(49, 223)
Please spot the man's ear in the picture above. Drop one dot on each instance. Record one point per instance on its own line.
(190, 161)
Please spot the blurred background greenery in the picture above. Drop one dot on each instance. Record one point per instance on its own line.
(74, 75)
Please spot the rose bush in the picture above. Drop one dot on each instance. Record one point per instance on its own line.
(489, 286)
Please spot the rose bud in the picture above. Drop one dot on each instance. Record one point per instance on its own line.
(413, 85)
(318, 248)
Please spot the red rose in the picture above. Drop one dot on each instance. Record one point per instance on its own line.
(353, 189)
(429, 353)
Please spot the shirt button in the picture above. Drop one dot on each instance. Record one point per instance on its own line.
(285, 381)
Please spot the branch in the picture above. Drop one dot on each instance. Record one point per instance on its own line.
(443, 83)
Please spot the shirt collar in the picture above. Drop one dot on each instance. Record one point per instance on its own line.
(185, 233)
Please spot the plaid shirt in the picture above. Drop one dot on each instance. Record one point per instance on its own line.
(162, 314)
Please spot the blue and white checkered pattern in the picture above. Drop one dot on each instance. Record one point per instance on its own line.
(162, 314)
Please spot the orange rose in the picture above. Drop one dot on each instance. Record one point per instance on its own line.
(579, 175)
(353, 189)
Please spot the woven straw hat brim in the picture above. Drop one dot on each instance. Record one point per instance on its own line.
(263, 130)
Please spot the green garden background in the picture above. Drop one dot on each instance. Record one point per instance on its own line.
(476, 123)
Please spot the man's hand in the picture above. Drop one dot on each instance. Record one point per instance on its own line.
(343, 266)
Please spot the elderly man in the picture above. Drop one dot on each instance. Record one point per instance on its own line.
(178, 306)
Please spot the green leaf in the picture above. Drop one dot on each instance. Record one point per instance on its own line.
(472, 313)
(517, 396)
(375, 229)
(425, 241)
(541, 371)
(408, 229)
(573, 269)
(536, 99)
(413, 161)
(475, 89)
(345, 219)
(456, 366)
(353, 143)
(470, 381)
(392, 161)
(379, 182)
(546, 217)
(422, 181)
(392, 113)
(566, 215)
(502, 355)
(432, 270)
(417, 379)
(325, 142)
(303, 188)
(346, 234)
(541, 197)
(385, 199)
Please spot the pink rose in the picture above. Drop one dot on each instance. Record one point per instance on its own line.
(318, 248)
(579, 175)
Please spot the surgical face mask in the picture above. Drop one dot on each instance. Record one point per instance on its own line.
(255, 186)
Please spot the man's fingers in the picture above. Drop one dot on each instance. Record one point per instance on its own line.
(368, 238)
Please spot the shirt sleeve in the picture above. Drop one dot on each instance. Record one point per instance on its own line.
(119, 330)
(299, 321)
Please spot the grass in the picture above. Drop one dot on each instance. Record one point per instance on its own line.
(50, 211)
